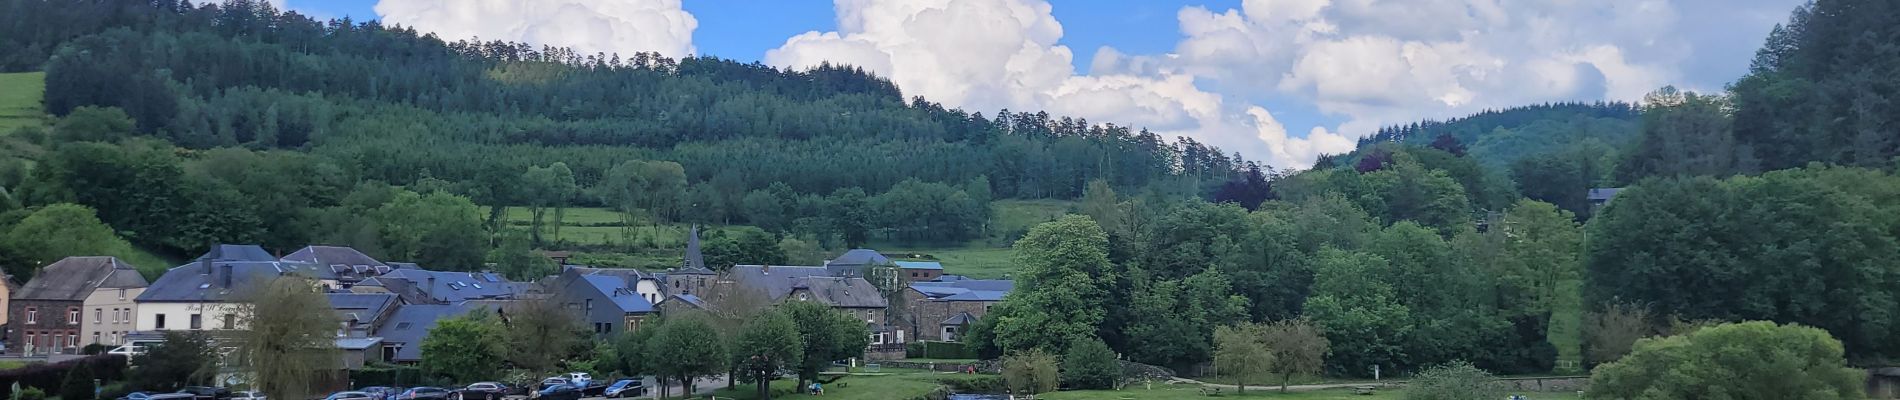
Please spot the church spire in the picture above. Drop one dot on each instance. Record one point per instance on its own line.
(694, 262)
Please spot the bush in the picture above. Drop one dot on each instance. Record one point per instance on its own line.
(1030, 372)
(1741, 361)
(1457, 380)
(31, 393)
(45, 377)
(94, 349)
(78, 385)
(1090, 365)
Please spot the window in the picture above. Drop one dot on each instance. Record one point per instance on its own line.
(590, 305)
(230, 321)
(29, 342)
(95, 337)
(32, 316)
(158, 321)
(197, 321)
(121, 294)
(72, 315)
(913, 274)
(98, 316)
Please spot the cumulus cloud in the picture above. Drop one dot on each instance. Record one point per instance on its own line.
(590, 26)
(994, 54)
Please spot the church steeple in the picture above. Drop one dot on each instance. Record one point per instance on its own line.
(694, 262)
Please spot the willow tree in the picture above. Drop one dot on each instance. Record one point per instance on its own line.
(288, 338)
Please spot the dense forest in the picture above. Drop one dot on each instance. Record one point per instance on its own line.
(245, 124)
(176, 126)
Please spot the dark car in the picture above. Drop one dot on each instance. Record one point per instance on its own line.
(424, 393)
(624, 388)
(558, 392)
(136, 396)
(206, 392)
(351, 395)
(482, 390)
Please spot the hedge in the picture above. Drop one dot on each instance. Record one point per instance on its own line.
(389, 375)
(49, 377)
(934, 349)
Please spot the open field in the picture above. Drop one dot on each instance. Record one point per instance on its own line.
(988, 257)
(20, 95)
(1159, 392)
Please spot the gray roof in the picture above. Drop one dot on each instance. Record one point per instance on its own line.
(962, 318)
(362, 307)
(965, 289)
(686, 298)
(448, 287)
(859, 258)
(1603, 194)
(412, 322)
(774, 280)
(331, 256)
(74, 278)
(616, 289)
(841, 292)
(920, 265)
(362, 343)
(236, 252)
(214, 281)
(694, 261)
(976, 295)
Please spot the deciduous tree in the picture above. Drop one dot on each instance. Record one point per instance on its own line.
(288, 338)
(1749, 360)
(1241, 352)
(769, 343)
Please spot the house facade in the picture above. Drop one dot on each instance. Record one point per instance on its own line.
(609, 303)
(50, 310)
(943, 309)
(919, 271)
(202, 295)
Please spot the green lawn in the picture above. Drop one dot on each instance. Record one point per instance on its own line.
(894, 386)
(574, 216)
(1017, 216)
(975, 262)
(20, 95)
(1159, 392)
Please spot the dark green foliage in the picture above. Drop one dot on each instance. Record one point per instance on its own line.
(1089, 364)
(53, 376)
(1454, 381)
(1822, 88)
(183, 359)
(742, 245)
(1744, 361)
(78, 385)
(1814, 246)
(829, 335)
(1684, 134)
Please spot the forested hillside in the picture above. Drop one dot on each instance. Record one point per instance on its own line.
(184, 125)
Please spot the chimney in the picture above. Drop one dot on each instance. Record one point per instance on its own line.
(206, 263)
(227, 276)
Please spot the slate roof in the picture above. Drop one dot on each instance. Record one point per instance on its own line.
(920, 265)
(236, 252)
(362, 343)
(841, 292)
(343, 261)
(694, 261)
(74, 278)
(774, 280)
(962, 318)
(448, 287)
(1603, 194)
(965, 289)
(365, 308)
(412, 322)
(215, 281)
(861, 257)
(616, 290)
(686, 298)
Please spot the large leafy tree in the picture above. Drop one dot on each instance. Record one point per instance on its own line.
(1060, 287)
(464, 349)
(539, 334)
(1241, 352)
(58, 231)
(437, 230)
(1750, 360)
(1357, 312)
(829, 335)
(769, 343)
(182, 359)
(682, 349)
(288, 336)
(1090, 364)
(1297, 348)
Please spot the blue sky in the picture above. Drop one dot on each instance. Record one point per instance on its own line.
(1277, 80)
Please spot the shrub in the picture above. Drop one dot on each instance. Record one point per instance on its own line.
(1457, 380)
(108, 367)
(1740, 361)
(1090, 365)
(1030, 372)
(31, 393)
(78, 385)
(94, 349)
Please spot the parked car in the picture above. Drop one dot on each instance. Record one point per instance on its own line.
(136, 396)
(207, 392)
(424, 393)
(248, 395)
(483, 390)
(625, 388)
(558, 392)
(555, 381)
(381, 392)
(581, 379)
(171, 396)
(351, 395)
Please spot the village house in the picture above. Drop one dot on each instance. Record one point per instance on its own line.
(52, 309)
(420, 286)
(608, 301)
(358, 315)
(918, 271)
(403, 332)
(943, 309)
(204, 294)
(345, 266)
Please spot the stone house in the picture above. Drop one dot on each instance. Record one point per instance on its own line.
(607, 302)
(51, 310)
(943, 309)
(919, 271)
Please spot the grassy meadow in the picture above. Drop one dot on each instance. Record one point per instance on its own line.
(20, 94)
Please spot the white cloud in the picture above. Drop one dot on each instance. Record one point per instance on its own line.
(590, 26)
(992, 54)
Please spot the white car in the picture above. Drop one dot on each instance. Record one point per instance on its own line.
(248, 396)
(581, 379)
